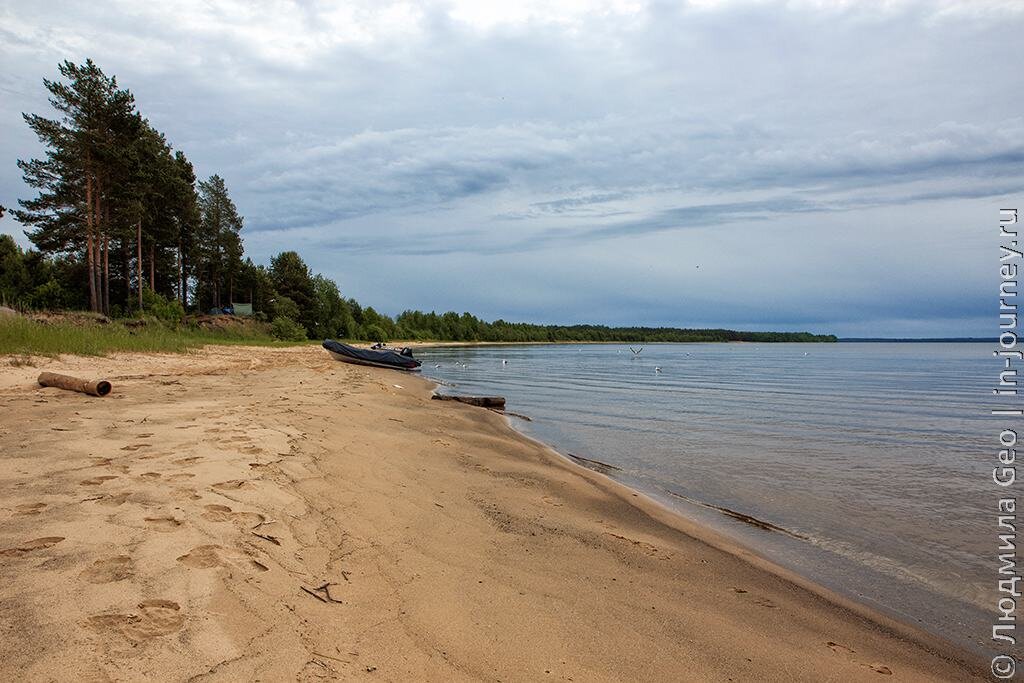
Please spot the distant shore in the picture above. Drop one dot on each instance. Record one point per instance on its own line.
(241, 513)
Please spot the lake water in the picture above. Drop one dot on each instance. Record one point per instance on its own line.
(873, 459)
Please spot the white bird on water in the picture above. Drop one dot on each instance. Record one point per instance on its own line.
(657, 371)
(504, 362)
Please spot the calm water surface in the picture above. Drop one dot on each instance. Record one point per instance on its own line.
(875, 457)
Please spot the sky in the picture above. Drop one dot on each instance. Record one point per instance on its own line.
(836, 167)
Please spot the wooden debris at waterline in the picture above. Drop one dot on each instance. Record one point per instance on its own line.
(741, 516)
(479, 401)
(595, 464)
(93, 387)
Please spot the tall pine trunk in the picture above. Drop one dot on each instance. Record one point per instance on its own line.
(138, 263)
(102, 263)
(97, 259)
(182, 294)
(126, 271)
(152, 266)
(106, 274)
(89, 255)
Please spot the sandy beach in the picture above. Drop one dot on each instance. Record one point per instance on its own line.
(271, 514)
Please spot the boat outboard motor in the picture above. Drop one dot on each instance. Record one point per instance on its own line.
(406, 351)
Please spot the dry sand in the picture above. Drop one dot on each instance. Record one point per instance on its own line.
(166, 532)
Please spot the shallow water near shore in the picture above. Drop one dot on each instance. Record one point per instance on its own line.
(869, 462)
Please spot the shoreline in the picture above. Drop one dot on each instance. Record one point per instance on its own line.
(560, 416)
(677, 520)
(442, 528)
(719, 536)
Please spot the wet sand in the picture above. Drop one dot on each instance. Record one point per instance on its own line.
(243, 514)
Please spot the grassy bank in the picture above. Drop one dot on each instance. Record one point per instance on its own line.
(50, 337)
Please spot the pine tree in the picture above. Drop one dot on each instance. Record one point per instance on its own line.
(71, 214)
(292, 279)
(186, 220)
(219, 242)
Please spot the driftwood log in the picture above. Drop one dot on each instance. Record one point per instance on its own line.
(481, 401)
(94, 387)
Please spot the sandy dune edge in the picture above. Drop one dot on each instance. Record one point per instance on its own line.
(167, 532)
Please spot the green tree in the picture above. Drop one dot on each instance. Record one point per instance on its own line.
(71, 214)
(292, 278)
(15, 280)
(331, 314)
(186, 224)
(219, 242)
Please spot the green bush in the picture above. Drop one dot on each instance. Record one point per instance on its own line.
(286, 329)
(375, 333)
(160, 308)
(49, 296)
(283, 307)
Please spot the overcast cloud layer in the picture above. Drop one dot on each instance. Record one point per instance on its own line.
(836, 167)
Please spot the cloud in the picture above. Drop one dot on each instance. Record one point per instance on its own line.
(420, 140)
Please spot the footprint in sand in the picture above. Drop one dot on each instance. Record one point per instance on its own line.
(217, 513)
(152, 619)
(880, 669)
(187, 461)
(646, 548)
(96, 481)
(839, 649)
(109, 570)
(150, 475)
(181, 476)
(163, 523)
(30, 508)
(222, 513)
(765, 602)
(135, 446)
(202, 557)
(29, 546)
(109, 463)
(185, 494)
(233, 484)
(209, 556)
(248, 519)
(114, 500)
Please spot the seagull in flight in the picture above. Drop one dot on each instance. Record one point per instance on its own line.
(636, 352)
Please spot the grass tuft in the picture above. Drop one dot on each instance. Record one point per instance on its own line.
(23, 336)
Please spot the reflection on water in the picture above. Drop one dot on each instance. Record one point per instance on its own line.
(875, 456)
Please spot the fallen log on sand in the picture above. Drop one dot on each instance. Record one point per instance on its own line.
(481, 401)
(96, 387)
